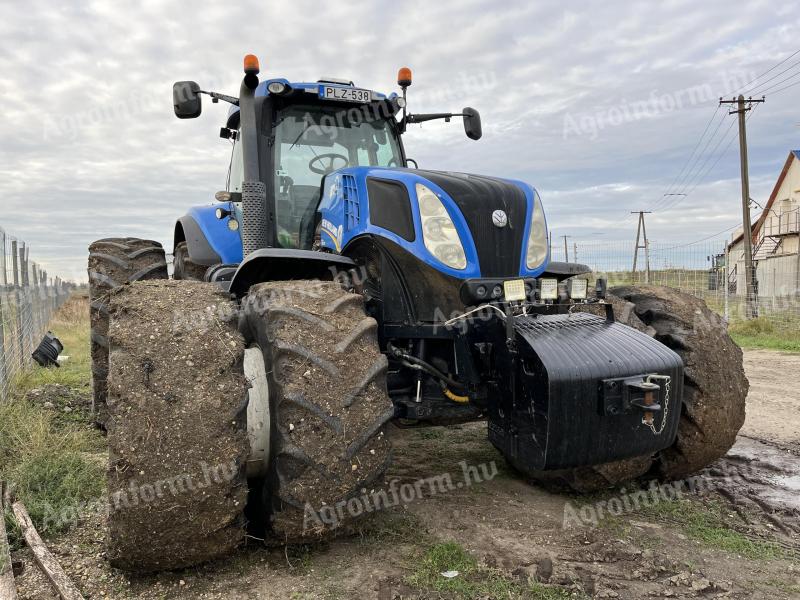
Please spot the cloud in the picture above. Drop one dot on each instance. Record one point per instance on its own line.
(90, 147)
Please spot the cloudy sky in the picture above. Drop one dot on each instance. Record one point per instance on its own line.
(598, 104)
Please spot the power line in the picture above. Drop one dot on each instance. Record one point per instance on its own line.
(689, 175)
(696, 176)
(696, 146)
(794, 64)
(785, 88)
(734, 226)
(700, 179)
(685, 178)
(721, 154)
(757, 77)
(774, 85)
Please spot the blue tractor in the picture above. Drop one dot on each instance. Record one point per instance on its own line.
(332, 289)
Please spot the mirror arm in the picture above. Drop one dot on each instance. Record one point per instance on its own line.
(421, 118)
(216, 97)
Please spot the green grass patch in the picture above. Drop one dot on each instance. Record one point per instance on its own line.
(71, 326)
(472, 581)
(784, 586)
(763, 333)
(48, 460)
(708, 522)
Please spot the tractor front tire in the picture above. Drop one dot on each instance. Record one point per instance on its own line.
(113, 262)
(183, 267)
(715, 388)
(714, 382)
(328, 405)
(177, 399)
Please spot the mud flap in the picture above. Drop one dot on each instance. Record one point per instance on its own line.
(587, 391)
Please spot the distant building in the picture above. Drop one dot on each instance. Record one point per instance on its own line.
(776, 239)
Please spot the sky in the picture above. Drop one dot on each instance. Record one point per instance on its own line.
(599, 105)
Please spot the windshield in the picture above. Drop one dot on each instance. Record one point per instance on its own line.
(312, 141)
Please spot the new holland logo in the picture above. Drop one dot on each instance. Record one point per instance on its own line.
(499, 218)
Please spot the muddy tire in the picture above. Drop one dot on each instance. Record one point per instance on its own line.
(183, 267)
(113, 262)
(177, 438)
(715, 386)
(328, 403)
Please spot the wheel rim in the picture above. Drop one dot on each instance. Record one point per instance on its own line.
(258, 414)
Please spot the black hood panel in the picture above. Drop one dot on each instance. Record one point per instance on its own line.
(477, 196)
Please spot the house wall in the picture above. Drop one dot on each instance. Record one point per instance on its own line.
(784, 217)
(777, 276)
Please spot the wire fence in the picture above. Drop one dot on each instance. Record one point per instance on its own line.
(28, 298)
(709, 270)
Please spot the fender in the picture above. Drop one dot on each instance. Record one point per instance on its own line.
(564, 270)
(209, 239)
(280, 264)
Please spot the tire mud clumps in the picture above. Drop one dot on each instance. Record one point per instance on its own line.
(176, 428)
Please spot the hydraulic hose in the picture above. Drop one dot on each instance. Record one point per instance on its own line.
(425, 366)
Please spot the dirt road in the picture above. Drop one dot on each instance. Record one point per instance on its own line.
(736, 535)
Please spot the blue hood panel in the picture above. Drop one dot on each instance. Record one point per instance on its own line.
(469, 200)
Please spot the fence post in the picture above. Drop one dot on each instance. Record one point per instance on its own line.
(3, 273)
(3, 368)
(727, 281)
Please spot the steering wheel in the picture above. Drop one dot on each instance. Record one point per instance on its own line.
(392, 162)
(331, 158)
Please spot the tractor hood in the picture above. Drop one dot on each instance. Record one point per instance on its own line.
(479, 226)
(498, 240)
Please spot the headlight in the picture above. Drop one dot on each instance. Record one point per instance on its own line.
(438, 230)
(537, 237)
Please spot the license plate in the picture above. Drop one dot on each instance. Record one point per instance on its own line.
(514, 290)
(348, 94)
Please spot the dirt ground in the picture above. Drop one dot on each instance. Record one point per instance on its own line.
(737, 536)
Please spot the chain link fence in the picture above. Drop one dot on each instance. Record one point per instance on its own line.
(708, 270)
(28, 298)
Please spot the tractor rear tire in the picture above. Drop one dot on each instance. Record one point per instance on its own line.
(183, 267)
(113, 262)
(328, 404)
(714, 382)
(178, 447)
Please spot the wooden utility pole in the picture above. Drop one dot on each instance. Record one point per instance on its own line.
(742, 106)
(641, 235)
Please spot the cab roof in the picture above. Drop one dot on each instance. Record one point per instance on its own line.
(306, 86)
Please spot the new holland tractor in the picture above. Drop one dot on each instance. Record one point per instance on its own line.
(333, 288)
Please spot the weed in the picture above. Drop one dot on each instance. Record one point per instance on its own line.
(707, 522)
(47, 460)
(472, 581)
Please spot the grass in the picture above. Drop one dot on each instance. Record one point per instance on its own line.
(472, 581)
(46, 458)
(762, 333)
(708, 523)
(70, 324)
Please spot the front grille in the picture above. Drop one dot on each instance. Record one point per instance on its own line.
(499, 248)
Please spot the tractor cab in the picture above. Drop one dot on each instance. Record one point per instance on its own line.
(314, 129)
(288, 138)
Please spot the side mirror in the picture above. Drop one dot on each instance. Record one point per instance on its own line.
(472, 123)
(186, 99)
